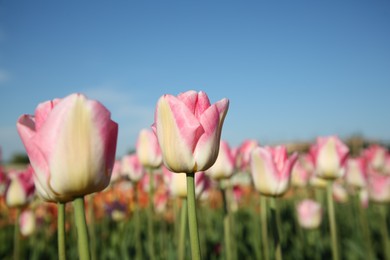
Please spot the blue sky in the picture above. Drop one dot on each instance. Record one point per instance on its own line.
(293, 70)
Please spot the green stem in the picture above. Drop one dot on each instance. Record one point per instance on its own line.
(17, 236)
(91, 227)
(151, 216)
(82, 231)
(61, 230)
(137, 227)
(384, 231)
(226, 226)
(365, 230)
(183, 229)
(275, 228)
(192, 220)
(264, 232)
(332, 221)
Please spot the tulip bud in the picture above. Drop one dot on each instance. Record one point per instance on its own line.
(27, 222)
(71, 145)
(329, 155)
(148, 149)
(188, 129)
(271, 169)
(132, 167)
(224, 166)
(309, 214)
(20, 189)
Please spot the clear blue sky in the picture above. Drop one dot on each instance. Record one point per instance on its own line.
(292, 70)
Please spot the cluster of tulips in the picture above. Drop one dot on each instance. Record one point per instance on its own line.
(179, 166)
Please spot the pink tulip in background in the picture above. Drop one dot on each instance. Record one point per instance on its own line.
(376, 156)
(188, 129)
(271, 169)
(309, 214)
(339, 192)
(71, 145)
(386, 166)
(116, 172)
(177, 183)
(378, 187)
(132, 167)
(300, 175)
(27, 222)
(224, 166)
(330, 155)
(148, 149)
(20, 189)
(356, 172)
(244, 154)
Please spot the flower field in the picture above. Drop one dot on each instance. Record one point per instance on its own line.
(186, 194)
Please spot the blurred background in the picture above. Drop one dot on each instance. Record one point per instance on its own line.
(293, 70)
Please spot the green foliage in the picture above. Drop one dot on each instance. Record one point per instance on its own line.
(19, 158)
(116, 239)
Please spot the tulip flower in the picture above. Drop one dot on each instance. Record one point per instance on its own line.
(71, 145)
(329, 155)
(188, 129)
(379, 187)
(224, 166)
(244, 154)
(116, 172)
(339, 193)
(271, 169)
(148, 149)
(27, 222)
(20, 188)
(177, 183)
(376, 156)
(300, 175)
(132, 167)
(356, 174)
(386, 167)
(309, 214)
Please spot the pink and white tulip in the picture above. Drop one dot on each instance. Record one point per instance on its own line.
(271, 169)
(116, 172)
(27, 222)
(20, 188)
(188, 129)
(177, 183)
(224, 166)
(300, 175)
(379, 187)
(148, 149)
(132, 167)
(356, 173)
(376, 157)
(71, 145)
(244, 154)
(330, 155)
(339, 193)
(309, 214)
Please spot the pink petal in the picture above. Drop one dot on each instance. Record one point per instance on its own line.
(188, 125)
(43, 110)
(207, 148)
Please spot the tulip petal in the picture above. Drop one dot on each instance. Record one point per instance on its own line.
(207, 148)
(42, 111)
